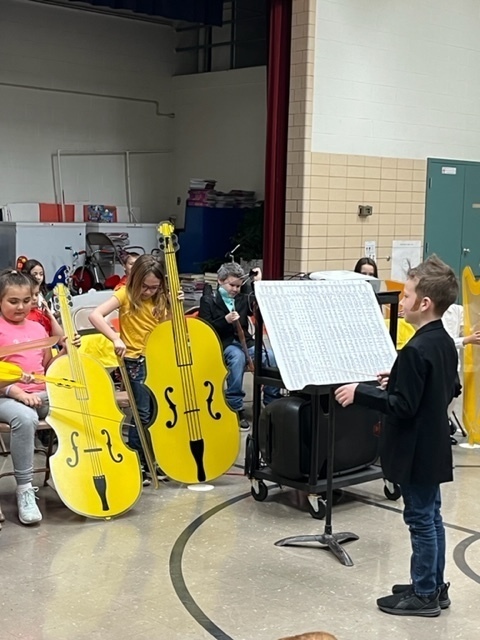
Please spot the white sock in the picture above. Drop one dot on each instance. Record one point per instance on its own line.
(24, 487)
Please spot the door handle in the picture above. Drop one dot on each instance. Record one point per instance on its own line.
(465, 251)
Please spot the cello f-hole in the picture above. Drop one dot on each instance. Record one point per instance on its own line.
(119, 458)
(73, 462)
(173, 408)
(217, 415)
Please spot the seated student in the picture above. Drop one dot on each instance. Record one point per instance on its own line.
(40, 311)
(25, 379)
(221, 310)
(367, 267)
(127, 265)
(35, 270)
(23, 403)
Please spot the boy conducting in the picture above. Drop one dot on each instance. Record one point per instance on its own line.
(416, 451)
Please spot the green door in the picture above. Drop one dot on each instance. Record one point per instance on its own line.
(470, 249)
(444, 211)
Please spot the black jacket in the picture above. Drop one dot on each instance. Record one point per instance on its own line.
(213, 310)
(415, 445)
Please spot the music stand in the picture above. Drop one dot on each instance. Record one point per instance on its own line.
(320, 344)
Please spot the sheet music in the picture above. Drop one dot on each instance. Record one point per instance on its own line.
(325, 332)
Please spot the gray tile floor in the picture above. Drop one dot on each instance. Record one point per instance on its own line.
(184, 565)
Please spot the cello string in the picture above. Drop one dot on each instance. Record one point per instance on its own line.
(182, 339)
(179, 335)
(75, 412)
(189, 384)
(81, 394)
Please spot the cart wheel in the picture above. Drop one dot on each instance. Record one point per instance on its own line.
(322, 510)
(393, 494)
(262, 492)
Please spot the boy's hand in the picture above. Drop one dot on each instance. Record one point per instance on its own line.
(346, 395)
(382, 379)
(473, 338)
(232, 317)
(181, 295)
(256, 274)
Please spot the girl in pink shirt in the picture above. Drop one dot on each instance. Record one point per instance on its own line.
(24, 403)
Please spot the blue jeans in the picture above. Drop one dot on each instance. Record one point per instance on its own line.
(236, 362)
(137, 373)
(427, 535)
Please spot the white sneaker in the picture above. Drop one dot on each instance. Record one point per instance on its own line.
(28, 512)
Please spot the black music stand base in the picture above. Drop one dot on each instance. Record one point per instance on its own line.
(331, 541)
(327, 539)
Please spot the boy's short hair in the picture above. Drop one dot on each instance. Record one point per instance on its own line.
(437, 281)
(230, 270)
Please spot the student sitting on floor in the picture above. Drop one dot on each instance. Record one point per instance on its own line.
(221, 310)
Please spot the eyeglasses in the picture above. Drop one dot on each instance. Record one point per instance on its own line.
(147, 288)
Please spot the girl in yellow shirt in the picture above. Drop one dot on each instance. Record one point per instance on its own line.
(142, 304)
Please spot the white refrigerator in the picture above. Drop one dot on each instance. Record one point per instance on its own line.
(51, 243)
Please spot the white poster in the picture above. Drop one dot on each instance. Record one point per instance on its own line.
(371, 249)
(405, 255)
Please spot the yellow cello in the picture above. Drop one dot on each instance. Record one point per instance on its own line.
(195, 435)
(471, 359)
(95, 473)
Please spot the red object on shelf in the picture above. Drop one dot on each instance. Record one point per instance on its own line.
(53, 212)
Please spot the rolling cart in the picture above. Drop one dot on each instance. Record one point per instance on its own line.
(314, 486)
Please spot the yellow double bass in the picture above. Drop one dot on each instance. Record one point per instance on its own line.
(95, 473)
(195, 435)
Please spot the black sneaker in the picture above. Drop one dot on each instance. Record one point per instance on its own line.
(146, 480)
(161, 475)
(407, 603)
(244, 423)
(443, 599)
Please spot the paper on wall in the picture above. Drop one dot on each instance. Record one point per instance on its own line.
(405, 255)
(371, 249)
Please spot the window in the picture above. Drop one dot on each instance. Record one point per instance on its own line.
(240, 42)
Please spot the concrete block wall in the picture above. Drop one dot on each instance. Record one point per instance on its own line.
(377, 88)
(70, 51)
